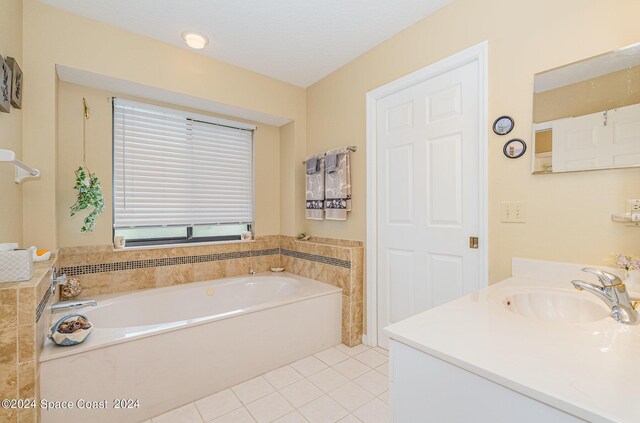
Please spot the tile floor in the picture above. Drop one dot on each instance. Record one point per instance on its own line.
(341, 384)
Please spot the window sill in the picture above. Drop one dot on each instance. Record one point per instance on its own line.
(181, 245)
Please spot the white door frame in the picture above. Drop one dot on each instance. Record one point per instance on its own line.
(477, 53)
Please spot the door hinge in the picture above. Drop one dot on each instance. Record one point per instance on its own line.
(473, 242)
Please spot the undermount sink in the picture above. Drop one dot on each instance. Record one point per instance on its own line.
(555, 306)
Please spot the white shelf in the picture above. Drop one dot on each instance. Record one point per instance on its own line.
(22, 170)
(631, 219)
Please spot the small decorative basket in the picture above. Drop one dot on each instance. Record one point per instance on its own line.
(70, 330)
(72, 288)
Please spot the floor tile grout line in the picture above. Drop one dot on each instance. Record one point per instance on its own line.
(278, 392)
(249, 411)
(198, 411)
(351, 413)
(365, 388)
(235, 409)
(334, 388)
(323, 393)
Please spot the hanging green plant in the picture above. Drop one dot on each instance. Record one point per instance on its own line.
(89, 195)
(87, 184)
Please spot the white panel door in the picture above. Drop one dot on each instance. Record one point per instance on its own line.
(625, 128)
(427, 194)
(598, 140)
(582, 142)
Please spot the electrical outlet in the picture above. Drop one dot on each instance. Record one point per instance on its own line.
(633, 206)
(513, 212)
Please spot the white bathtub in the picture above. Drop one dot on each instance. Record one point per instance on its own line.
(169, 346)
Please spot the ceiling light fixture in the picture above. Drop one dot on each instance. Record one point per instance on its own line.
(195, 40)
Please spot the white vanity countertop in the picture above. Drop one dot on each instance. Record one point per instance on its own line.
(589, 369)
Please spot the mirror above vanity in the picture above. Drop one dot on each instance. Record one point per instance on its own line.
(586, 115)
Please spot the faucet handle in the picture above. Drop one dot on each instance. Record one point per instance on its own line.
(61, 279)
(605, 278)
(56, 279)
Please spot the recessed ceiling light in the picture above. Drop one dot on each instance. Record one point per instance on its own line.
(195, 40)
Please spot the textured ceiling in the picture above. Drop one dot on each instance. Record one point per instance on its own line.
(297, 41)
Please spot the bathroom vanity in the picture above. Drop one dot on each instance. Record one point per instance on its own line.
(528, 349)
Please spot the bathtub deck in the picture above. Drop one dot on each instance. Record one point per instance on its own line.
(340, 384)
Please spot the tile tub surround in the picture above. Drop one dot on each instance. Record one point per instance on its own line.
(340, 384)
(23, 324)
(336, 262)
(103, 270)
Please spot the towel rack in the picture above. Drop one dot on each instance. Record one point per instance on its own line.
(350, 148)
(22, 170)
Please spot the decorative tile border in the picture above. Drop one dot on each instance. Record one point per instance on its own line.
(161, 262)
(43, 304)
(314, 257)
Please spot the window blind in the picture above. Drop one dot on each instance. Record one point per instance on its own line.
(173, 168)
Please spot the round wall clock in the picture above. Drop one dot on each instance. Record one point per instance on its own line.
(503, 125)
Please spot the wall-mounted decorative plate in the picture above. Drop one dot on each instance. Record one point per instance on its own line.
(503, 125)
(514, 148)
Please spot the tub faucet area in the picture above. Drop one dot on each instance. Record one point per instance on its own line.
(70, 305)
(614, 293)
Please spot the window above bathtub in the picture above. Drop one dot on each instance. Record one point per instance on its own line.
(179, 177)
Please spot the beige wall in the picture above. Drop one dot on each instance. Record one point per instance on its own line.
(287, 181)
(292, 180)
(568, 216)
(11, 128)
(617, 89)
(52, 37)
(99, 160)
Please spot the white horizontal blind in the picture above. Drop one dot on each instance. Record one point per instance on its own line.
(172, 168)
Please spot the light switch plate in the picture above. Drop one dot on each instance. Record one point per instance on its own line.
(513, 212)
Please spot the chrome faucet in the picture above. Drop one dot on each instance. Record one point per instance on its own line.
(614, 293)
(70, 305)
(57, 279)
(61, 279)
